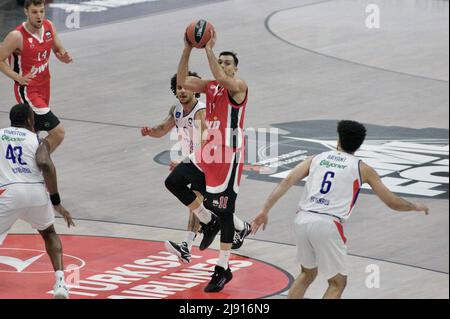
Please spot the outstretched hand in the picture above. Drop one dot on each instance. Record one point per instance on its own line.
(261, 219)
(65, 214)
(422, 208)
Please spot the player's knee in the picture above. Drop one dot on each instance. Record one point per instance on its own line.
(171, 183)
(226, 228)
(61, 134)
(309, 275)
(56, 136)
(48, 232)
(338, 281)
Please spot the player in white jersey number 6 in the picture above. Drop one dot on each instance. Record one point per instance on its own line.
(330, 194)
(26, 168)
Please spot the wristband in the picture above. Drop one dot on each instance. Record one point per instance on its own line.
(55, 199)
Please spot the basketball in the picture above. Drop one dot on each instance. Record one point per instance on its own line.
(198, 33)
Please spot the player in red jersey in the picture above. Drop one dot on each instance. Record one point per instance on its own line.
(28, 49)
(220, 160)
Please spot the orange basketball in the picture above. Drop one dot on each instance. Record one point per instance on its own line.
(198, 33)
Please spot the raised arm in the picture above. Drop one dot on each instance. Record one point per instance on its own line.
(234, 85)
(162, 129)
(59, 50)
(12, 42)
(296, 175)
(370, 176)
(45, 163)
(191, 83)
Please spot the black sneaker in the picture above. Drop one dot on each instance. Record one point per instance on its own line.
(209, 231)
(240, 236)
(180, 250)
(219, 279)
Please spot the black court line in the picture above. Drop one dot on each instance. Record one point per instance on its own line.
(91, 122)
(260, 240)
(266, 23)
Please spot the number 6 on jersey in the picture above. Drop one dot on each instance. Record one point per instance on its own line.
(326, 183)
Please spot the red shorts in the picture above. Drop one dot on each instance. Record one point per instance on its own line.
(38, 97)
(222, 167)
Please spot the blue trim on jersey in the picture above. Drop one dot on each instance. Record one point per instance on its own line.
(356, 198)
(22, 183)
(359, 171)
(313, 211)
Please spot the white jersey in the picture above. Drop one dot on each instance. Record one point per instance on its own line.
(185, 126)
(333, 185)
(18, 157)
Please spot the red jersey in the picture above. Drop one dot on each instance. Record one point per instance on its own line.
(225, 117)
(35, 54)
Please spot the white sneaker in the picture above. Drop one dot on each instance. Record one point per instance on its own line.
(61, 291)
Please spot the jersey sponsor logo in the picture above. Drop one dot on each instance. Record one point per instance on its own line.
(40, 69)
(329, 164)
(12, 139)
(411, 162)
(178, 115)
(142, 270)
(213, 125)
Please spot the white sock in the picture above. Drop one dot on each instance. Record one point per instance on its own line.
(203, 214)
(189, 239)
(238, 224)
(59, 274)
(224, 256)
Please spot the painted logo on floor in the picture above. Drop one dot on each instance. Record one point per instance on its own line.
(116, 268)
(411, 162)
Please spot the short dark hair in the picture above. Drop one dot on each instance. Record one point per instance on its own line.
(351, 135)
(232, 54)
(19, 114)
(28, 3)
(173, 83)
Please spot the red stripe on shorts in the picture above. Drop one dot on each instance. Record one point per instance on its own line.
(340, 230)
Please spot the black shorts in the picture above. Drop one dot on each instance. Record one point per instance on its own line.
(46, 122)
(224, 202)
(219, 203)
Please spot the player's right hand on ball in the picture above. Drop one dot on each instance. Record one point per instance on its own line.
(25, 80)
(64, 213)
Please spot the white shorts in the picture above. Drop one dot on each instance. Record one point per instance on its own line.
(29, 202)
(321, 244)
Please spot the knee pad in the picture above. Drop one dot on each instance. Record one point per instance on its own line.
(178, 185)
